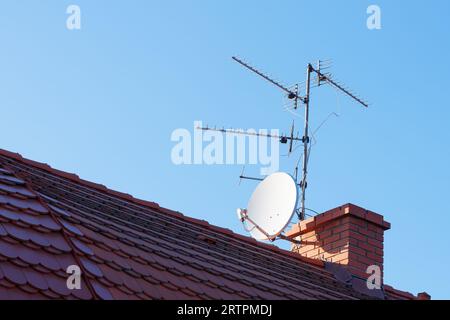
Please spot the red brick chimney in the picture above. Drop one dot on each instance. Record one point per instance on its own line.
(349, 236)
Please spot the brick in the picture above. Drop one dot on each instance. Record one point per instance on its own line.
(302, 227)
(346, 219)
(327, 248)
(326, 255)
(340, 243)
(359, 222)
(310, 241)
(323, 218)
(345, 234)
(367, 247)
(367, 233)
(294, 232)
(309, 224)
(365, 260)
(375, 257)
(334, 213)
(315, 256)
(343, 262)
(375, 218)
(374, 228)
(319, 229)
(343, 227)
(339, 257)
(347, 209)
(306, 246)
(308, 234)
(357, 236)
(334, 223)
(358, 250)
(356, 265)
(305, 249)
(352, 241)
(357, 211)
(331, 239)
(312, 253)
(325, 234)
(379, 237)
(375, 243)
(353, 226)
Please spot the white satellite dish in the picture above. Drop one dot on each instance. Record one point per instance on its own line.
(271, 206)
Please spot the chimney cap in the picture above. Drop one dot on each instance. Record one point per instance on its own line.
(336, 213)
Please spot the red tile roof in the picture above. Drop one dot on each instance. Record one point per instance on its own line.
(133, 249)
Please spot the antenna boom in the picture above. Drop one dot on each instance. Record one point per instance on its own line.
(241, 132)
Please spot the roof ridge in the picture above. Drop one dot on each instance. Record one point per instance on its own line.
(153, 205)
(58, 222)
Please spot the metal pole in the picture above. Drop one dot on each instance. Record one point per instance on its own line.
(305, 142)
(250, 178)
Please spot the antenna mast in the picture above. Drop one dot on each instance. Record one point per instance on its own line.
(306, 141)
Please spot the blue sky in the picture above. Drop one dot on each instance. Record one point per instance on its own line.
(103, 101)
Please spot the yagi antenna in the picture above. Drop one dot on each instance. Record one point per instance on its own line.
(291, 94)
(321, 77)
(282, 138)
(269, 215)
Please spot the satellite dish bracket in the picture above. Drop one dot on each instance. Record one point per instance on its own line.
(244, 217)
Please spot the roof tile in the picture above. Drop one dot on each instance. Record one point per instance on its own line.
(70, 227)
(22, 204)
(91, 267)
(12, 273)
(36, 279)
(16, 189)
(7, 178)
(101, 291)
(85, 249)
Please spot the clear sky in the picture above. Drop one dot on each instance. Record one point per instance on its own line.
(103, 102)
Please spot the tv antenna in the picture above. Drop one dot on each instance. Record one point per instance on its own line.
(321, 78)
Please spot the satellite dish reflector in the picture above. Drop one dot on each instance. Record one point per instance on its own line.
(272, 206)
